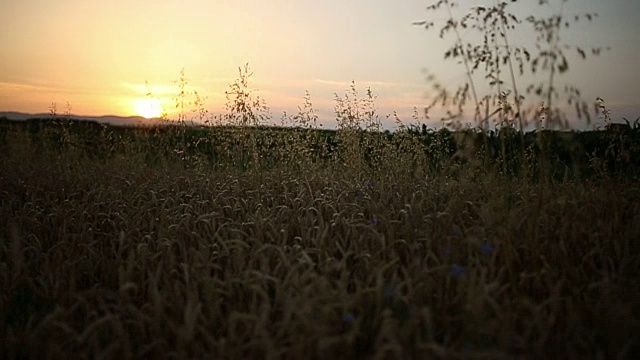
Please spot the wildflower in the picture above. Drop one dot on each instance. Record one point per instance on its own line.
(487, 248)
(446, 251)
(374, 220)
(457, 270)
(390, 291)
(347, 322)
(348, 318)
(369, 185)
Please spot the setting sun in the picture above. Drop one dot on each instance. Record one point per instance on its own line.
(148, 108)
(103, 57)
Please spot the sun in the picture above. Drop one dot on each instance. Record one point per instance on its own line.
(148, 108)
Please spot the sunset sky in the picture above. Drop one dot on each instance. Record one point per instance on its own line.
(97, 55)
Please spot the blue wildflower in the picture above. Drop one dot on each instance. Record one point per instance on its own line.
(390, 291)
(487, 248)
(446, 251)
(369, 185)
(348, 318)
(457, 270)
(374, 220)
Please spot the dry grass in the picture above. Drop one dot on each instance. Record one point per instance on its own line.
(381, 251)
(120, 260)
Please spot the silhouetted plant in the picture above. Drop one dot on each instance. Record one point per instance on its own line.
(494, 55)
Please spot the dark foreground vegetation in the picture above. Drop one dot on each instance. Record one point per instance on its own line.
(239, 242)
(567, 155)
(246, 241)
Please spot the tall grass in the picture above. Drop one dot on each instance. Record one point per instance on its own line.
(509, 104)
(242, 240)
(122, 259)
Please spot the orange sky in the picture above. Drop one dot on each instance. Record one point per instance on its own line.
(97, 55)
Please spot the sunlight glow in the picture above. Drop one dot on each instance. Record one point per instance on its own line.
(103, 57)
(148, 108)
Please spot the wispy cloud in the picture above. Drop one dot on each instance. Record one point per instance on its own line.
(28, 85)
(25, 84)
(13, 86)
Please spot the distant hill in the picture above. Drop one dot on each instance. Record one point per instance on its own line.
(106, 119)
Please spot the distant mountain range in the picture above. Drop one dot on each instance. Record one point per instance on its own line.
(106, 119)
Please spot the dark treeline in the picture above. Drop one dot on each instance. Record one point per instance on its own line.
(614, 152)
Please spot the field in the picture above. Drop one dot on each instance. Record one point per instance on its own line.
(184, 242)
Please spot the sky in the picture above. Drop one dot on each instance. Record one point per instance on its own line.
(98, 55)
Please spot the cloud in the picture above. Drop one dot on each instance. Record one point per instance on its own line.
(13, 86)
(35, 86)
(32, 86)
